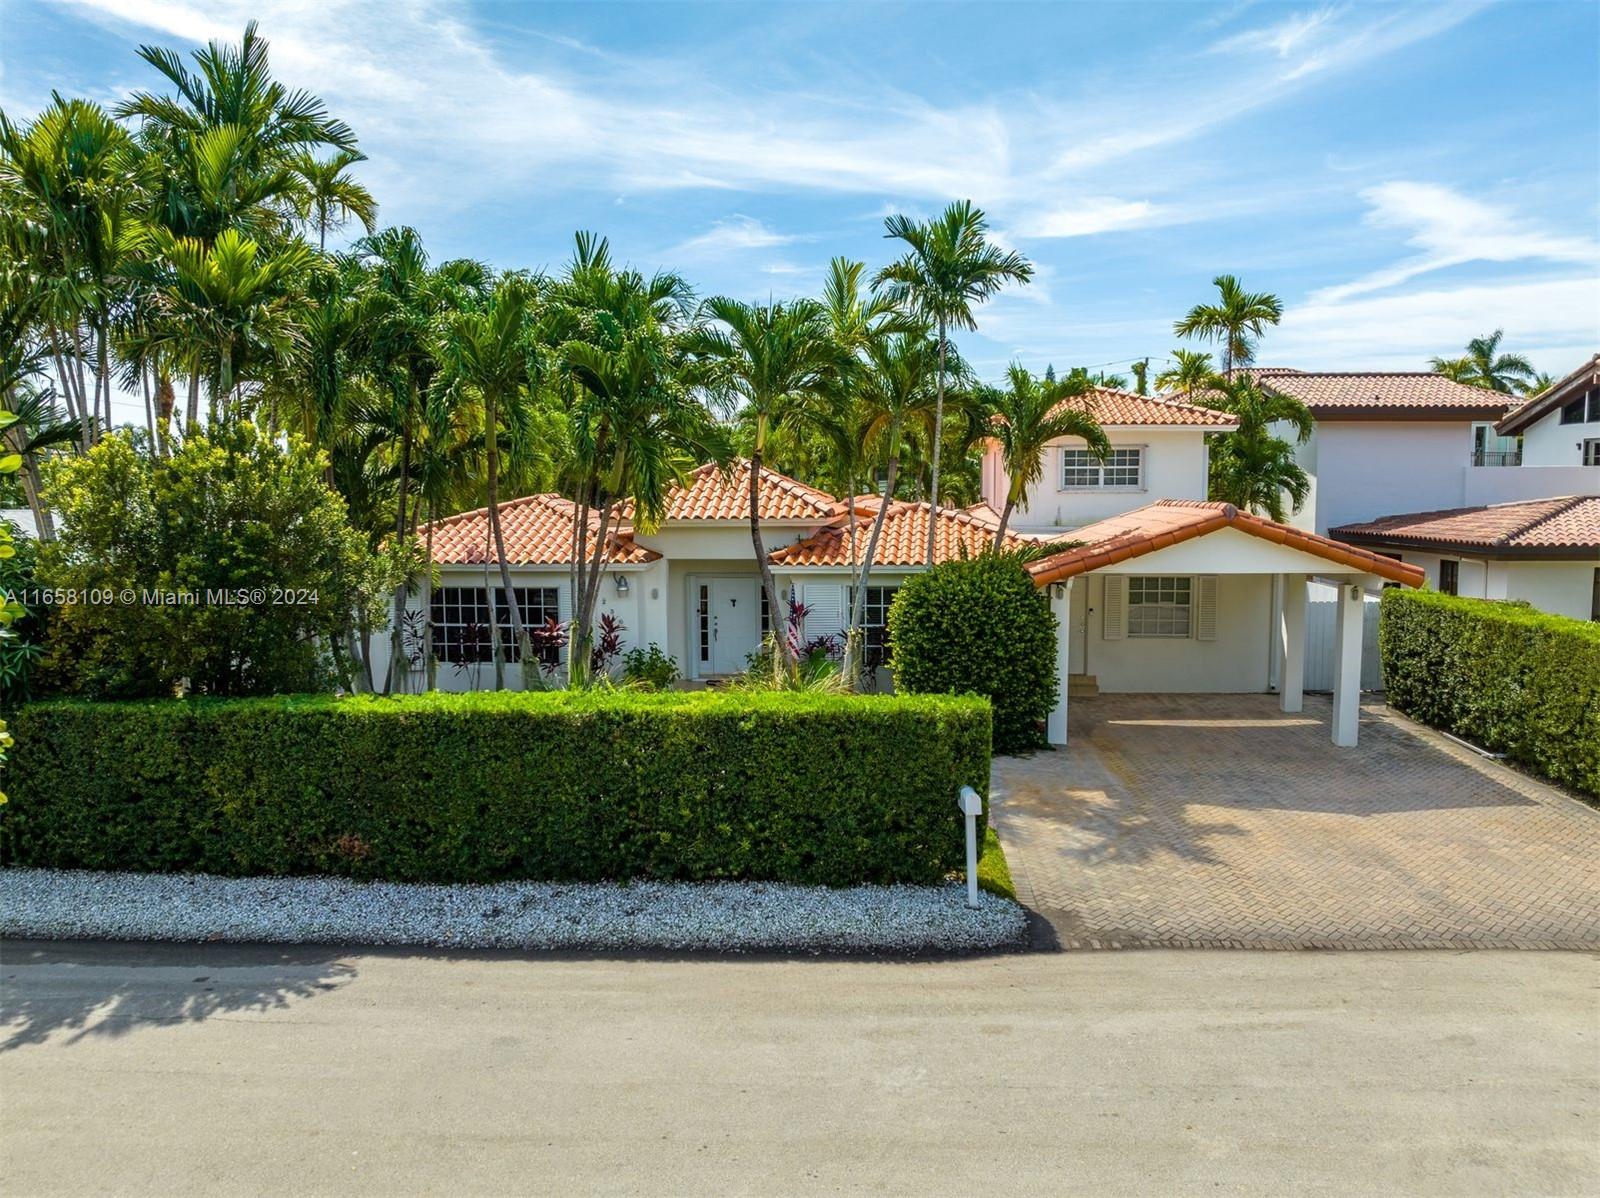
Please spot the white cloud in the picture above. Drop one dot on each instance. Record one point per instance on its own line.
(1451, 229)
(736, 234)
(1555, 321)
(1100, 214)
(1289, 36)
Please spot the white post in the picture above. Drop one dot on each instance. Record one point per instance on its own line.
(971, 807)
(1061, 605)
(1347, 664)
(1292, 643)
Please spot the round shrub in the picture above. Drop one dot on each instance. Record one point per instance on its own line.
(979, 626)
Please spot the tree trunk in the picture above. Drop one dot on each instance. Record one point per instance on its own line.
(428, 661)
(165, 400)
(938, 439)
(1005, 519)
(519, 634)
(191, 415)
(577, 672)
(396, 658)
(778, 620)
(102, 379)
(858, 605)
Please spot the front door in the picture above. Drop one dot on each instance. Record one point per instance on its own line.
(735, 622)
(1078, 642)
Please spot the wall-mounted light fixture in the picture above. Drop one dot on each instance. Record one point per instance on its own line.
(622, 583)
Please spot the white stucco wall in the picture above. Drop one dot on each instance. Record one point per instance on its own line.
(1548, 442)
(1366, 469)
(1507, 484)
(1174, 468)
(1563, 588)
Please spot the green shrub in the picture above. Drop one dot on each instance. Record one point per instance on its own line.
(1514, 680)
(822, 789)
(979, 626)
(651, 667)
(229, 564)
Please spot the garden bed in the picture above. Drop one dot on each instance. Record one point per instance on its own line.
(715, 916)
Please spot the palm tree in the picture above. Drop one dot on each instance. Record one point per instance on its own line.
(951, 267)
(1236, 321)
(40, 426)
(332, 196)
(1252, 468)
(774, 365)
(1540, 383)
(1141, 375)
(1485, 366)
(1028, 415)
(1191, 370)
(898, 390)
(489, 351)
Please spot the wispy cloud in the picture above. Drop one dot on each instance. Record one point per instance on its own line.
(734, 235)
(1452, 229)
(1099, 214)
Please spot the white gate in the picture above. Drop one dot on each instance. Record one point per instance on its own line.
(1322, 606)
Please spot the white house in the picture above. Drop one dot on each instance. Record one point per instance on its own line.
(1543, 551)
(1158, 451)
(1560, 432)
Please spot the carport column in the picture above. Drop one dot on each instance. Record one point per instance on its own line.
(1347, 663)
(1292, 643)
(1061, 608)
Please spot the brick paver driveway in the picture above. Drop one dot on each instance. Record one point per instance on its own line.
(1216, 820)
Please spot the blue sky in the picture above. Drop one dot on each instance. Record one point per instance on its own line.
(1403, 176)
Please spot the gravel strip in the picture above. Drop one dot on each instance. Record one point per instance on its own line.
(721, 916)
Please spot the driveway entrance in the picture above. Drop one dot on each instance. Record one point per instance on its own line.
(1218, 821)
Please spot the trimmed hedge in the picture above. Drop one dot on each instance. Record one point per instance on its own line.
(1502, 675)
(979, 626)
(826, 789)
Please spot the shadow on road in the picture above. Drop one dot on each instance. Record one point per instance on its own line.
(85, 989)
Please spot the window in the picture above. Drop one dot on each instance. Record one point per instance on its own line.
(1573, 413)
(461, 622)
(1449, 577)
(1081, 472)
(1591, 452)
(1594, 404)
(1160, 606)
(875, 625)
(1594, 597)
(703, 611)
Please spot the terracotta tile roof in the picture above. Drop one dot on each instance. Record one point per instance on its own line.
(1172, 521)
(1127, 409)
(713, 495)
(1554, 396)
(1564, 526)
(1415, 395)
(538, 532)
(961, 532)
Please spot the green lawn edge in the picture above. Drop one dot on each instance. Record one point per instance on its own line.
(994, 875)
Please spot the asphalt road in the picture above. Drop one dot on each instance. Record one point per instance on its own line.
(223, 1070)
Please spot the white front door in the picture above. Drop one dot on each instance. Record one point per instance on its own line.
(735, 622)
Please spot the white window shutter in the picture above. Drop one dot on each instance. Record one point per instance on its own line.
(824, 609)
(1205, 607)
(1114, 608)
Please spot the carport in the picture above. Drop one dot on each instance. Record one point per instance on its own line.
(1194, 597)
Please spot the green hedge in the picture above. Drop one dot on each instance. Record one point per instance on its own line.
(980, 627)
(1514, 680)
(824, 789)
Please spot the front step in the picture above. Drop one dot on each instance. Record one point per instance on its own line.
(1082, 686)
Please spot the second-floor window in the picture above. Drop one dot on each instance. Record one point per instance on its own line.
(1583, 410)
(1591, 452)
(1122, 471)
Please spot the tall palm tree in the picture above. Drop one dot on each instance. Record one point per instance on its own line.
(1191, 370)
(331, 195)
(774, 365)
(898, 391)
(1251, 467)
(950, 267)
(1029, 414)
(1236, 321)
(489, 351)
(1485, 366)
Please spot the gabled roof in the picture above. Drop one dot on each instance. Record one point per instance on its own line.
(959, 532)
(1554, 396)
(1567, 526)
(1123, 408)
(1173, 521)
(537, 530)
(712, 494)
(1383, 395)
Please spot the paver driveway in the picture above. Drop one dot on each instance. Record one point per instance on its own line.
(1211, 820)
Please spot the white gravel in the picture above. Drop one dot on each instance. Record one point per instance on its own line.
(722, 916)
